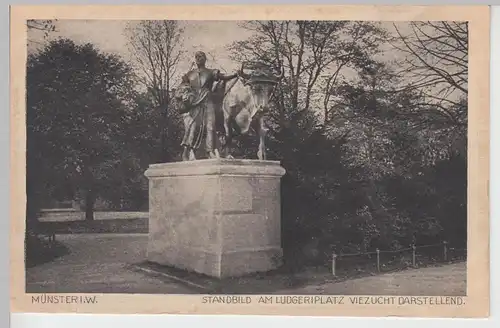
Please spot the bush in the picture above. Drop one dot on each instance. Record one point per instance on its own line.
(39, 251)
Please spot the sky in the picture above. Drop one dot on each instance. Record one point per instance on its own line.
(108, 35)
(212, 37)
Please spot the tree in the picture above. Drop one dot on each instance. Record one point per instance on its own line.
(435, 62)
(77, 104)
(401, 163)
(364, 110)
(367, 155)
(156, 47)
(314, 56)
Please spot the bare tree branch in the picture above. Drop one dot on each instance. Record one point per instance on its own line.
(436, 57)
(45, 26)
(156, 48)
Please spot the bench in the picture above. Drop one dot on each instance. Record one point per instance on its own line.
(46, 230)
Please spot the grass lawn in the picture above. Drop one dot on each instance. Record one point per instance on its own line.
(137, 225)
(60, 215)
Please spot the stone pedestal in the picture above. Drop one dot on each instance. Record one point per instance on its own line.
(219, 217)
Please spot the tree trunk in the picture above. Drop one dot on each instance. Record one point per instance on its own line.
(89, 205)
(164, 155)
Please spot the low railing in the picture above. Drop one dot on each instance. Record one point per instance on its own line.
(408, 257)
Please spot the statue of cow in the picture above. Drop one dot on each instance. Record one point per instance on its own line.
(245, 104)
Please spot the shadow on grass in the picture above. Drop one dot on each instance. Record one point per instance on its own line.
(40, 251)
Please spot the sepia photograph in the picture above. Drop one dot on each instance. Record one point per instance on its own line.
(306, 160)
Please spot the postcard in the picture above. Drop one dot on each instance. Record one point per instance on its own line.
(248, 159)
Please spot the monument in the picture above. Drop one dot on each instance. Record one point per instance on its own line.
(218, 216)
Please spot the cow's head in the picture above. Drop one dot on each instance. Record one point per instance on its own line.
(261, 82)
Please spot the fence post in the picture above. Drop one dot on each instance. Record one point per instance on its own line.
(334, 263)
(378, 260)
(414, 262)
(445, 250)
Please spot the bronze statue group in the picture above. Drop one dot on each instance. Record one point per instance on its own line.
(213, 111)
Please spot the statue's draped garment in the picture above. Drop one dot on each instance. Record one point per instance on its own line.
(205, 117)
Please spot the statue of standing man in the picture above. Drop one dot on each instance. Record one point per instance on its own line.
(201, 107)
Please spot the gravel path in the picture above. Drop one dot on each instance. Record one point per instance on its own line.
(98, 263)
(446, 280)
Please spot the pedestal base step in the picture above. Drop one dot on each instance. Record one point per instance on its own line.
(269, 282)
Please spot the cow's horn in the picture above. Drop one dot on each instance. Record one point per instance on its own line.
(281, 74)
(243, 74)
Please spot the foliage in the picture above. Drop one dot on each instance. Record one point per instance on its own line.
(363, 155)
(386, 149)
(150, 124)
(76, 120)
